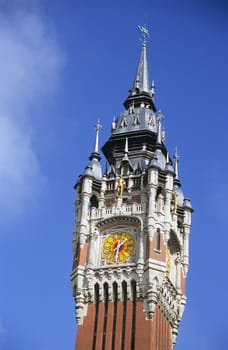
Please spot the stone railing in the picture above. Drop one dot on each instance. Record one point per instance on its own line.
(134, 209)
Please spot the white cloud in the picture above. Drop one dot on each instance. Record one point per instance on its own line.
(30, 63)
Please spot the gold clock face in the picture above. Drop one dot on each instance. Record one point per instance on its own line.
(118, 247)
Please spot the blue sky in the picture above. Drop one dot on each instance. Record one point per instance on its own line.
(63, 64)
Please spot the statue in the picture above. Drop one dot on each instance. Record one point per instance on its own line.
(121, 183)
(175, 204)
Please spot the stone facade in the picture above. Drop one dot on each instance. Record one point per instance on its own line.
(134, 300)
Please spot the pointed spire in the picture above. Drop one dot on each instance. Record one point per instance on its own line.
(126, 146)
(95, 153)
(94, 167)
(142, 77)
(141, 93)
(125, 158)
(176, 160)
(98, 127)
(168, 166)
(159, 134)
(125, 165)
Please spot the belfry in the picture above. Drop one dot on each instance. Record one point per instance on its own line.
(131, 235)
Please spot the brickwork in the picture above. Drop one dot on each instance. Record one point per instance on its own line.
(154, 253)
(147, 335)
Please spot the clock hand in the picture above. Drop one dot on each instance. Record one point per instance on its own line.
(118, 246)
(117, 249)
(123, 242)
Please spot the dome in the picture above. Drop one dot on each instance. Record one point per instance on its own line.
(187, 204)
(161, 161)
(94, 169)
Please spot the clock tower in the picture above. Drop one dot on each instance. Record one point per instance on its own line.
(132, 226)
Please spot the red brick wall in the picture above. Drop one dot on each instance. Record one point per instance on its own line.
(152, 334)
(85, 333)
(83, 254)
(151, 251)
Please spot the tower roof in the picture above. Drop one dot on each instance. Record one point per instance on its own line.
(94, 167)
(139, 122)
(141, 92)
(95, 153)
(142, 75)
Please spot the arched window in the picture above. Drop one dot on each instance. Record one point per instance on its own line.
(105, 314)
(158, 240)
(96, 297)
(124, 297)
(173, 253)
(159, 191)
(76, 255)
(93, 203)
(115, 300)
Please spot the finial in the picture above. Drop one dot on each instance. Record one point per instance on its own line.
(145, 33)
(160, 117)
(153, 88)
(176, 160)
(97, 128)
(114, 123)
(126, 146)
(167, 157)
(163, 135)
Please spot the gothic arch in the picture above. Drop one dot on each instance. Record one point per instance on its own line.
(93, 203)
(173, 242)
(173, 252)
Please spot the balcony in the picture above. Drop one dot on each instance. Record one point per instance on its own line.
(126, 210)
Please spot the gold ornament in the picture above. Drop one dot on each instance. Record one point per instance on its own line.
(121, 183)
(168, 261)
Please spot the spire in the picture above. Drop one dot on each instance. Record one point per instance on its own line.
(159, 134)
(141, 93)
(176, 160)
(142, 77)
(168, 166)
(97, 129)
(125, 165)
(126, 150)
(94, 167)
(126, 146)
(95, 153)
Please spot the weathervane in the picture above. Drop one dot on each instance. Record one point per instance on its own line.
(145, 33)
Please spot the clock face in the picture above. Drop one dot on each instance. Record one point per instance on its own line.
(118, 247)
